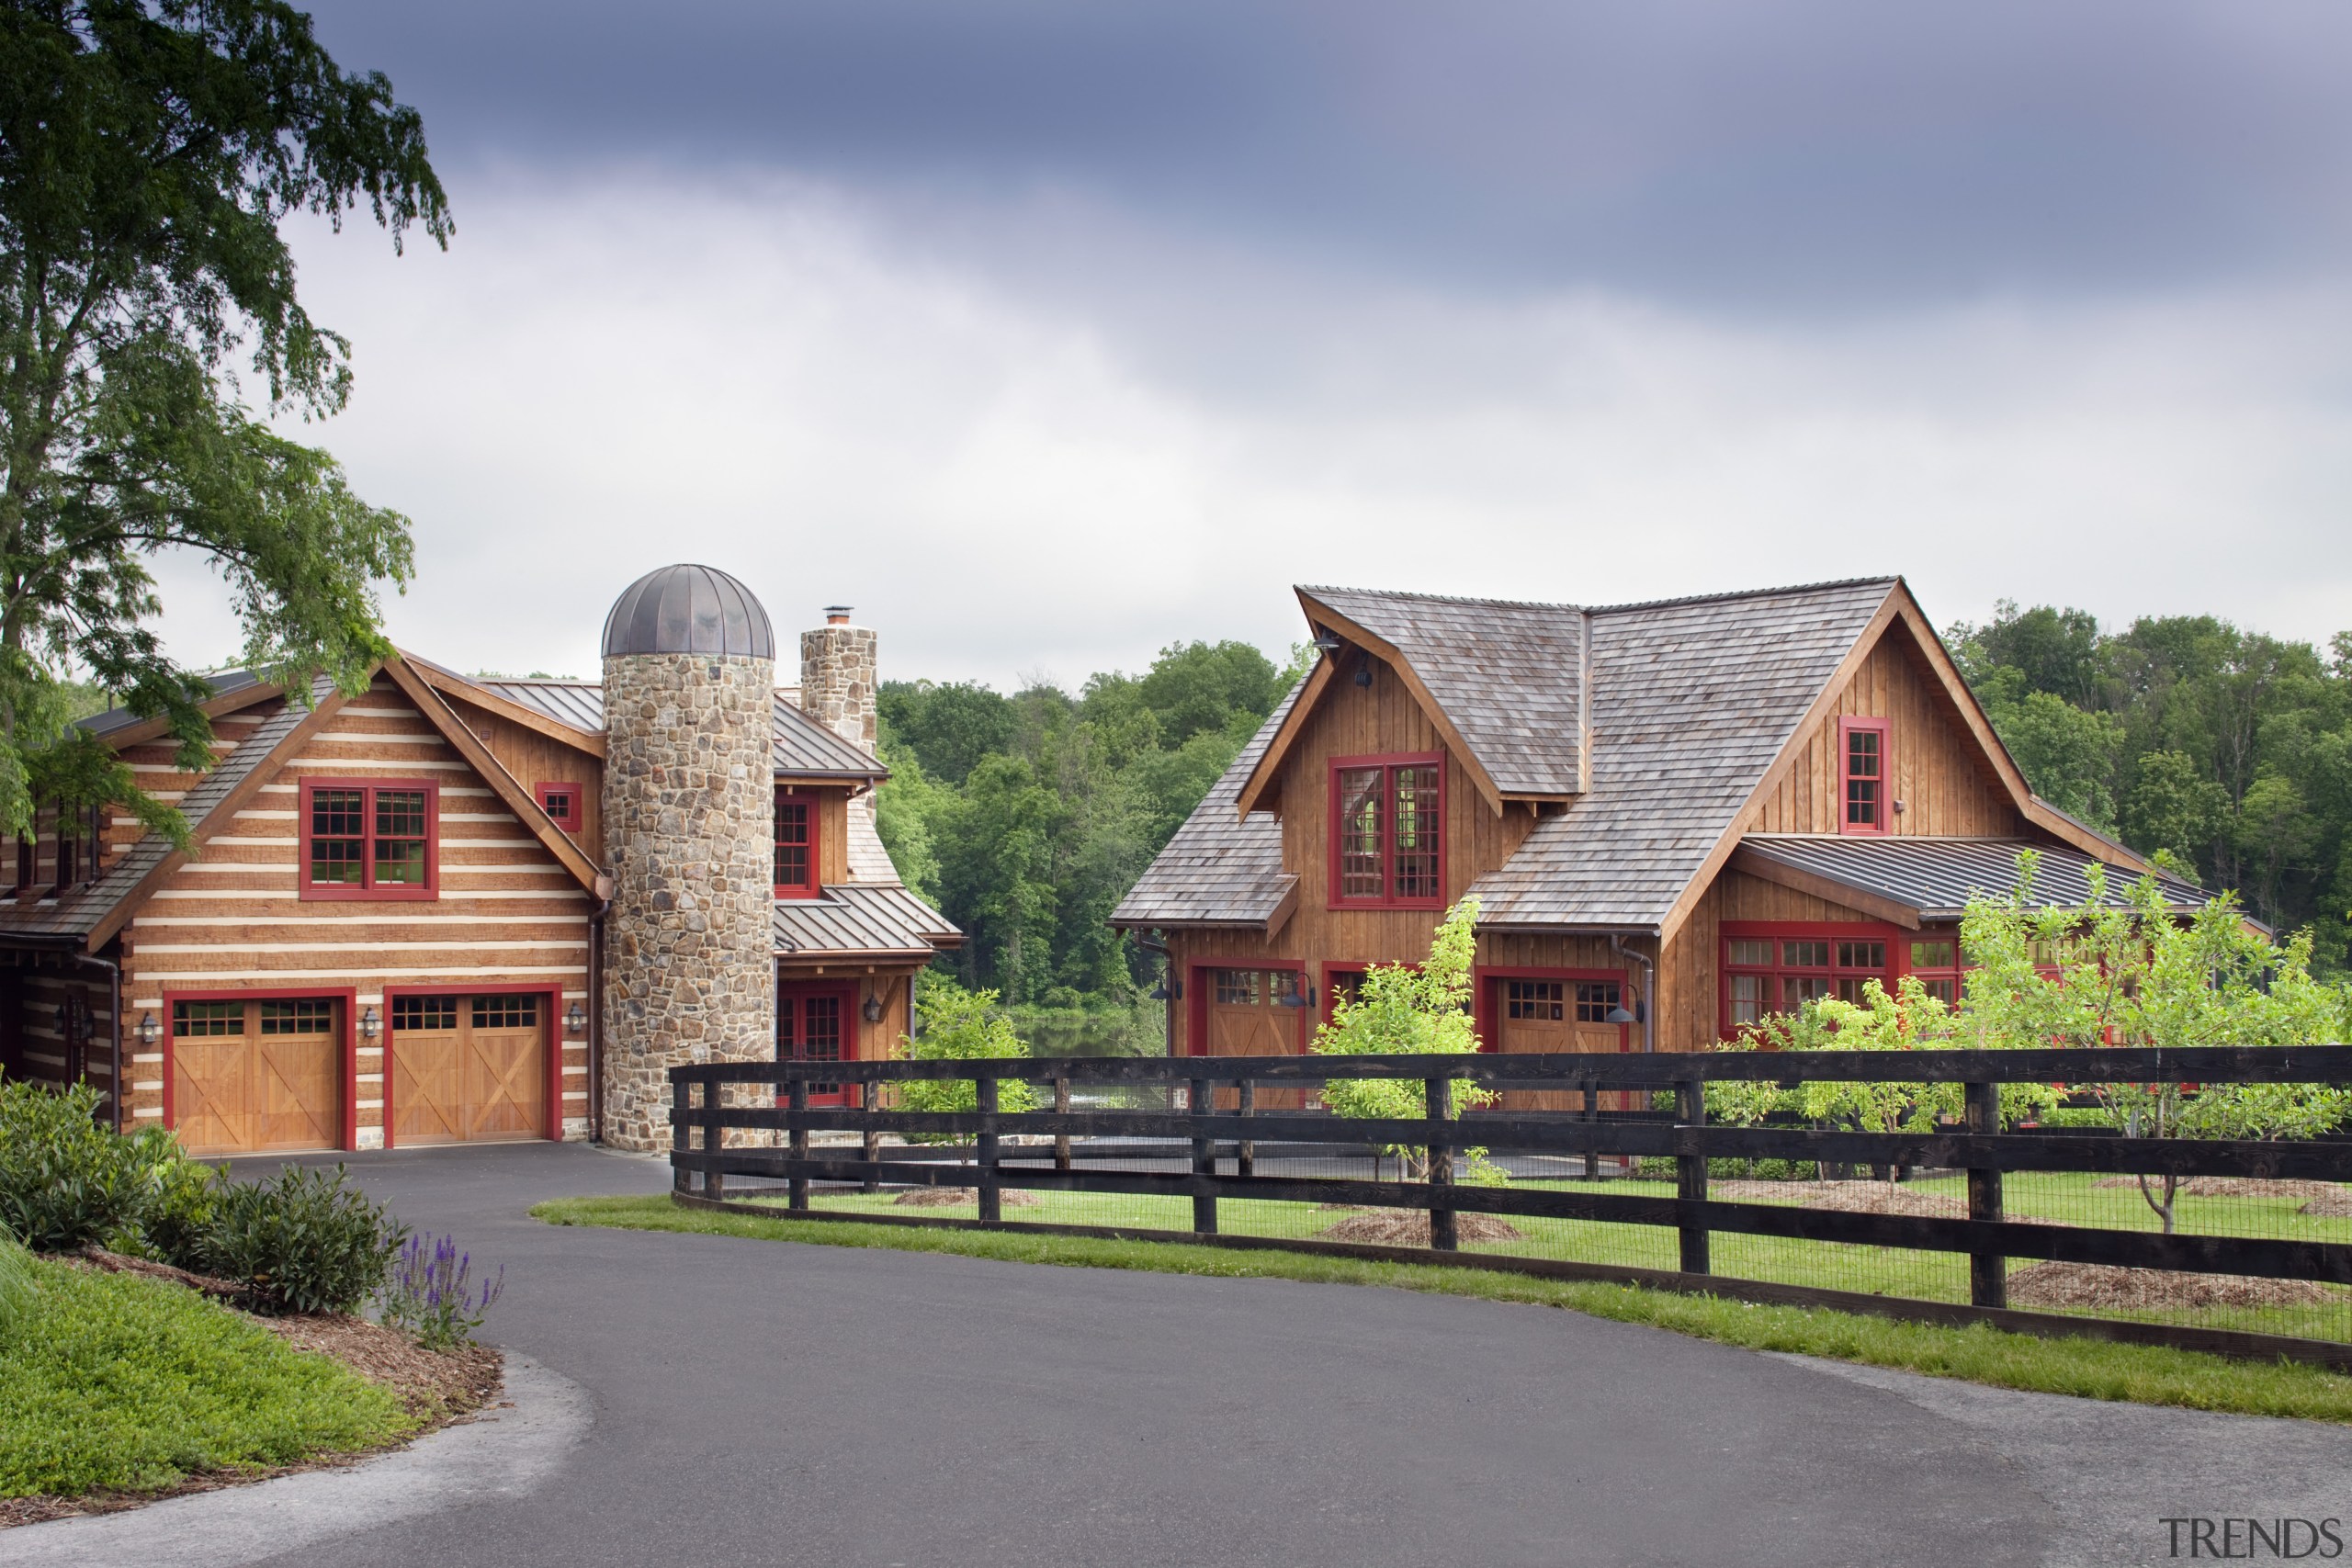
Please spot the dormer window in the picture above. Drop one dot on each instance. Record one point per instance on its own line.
(1387, 832)
(795, 845)
(1864, 776)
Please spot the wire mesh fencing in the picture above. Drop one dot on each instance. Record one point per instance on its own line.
(1991, 1182)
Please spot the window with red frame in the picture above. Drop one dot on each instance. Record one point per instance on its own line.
(368, 841)
(1935, 961)
(561, 802)
(1766, 975)
(1387, 832)
(1863, 774)
(795, 845)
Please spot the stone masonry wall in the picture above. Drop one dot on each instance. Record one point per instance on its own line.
(837, 682)
(688, 799)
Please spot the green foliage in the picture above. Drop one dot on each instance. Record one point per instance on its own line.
(148, 155)
(2229, 750)
(956, 1025)
(19, 1282)
(66, 1183)
(1401, 1009)
(303, 1241)
(1028, 817)
(120, 1383)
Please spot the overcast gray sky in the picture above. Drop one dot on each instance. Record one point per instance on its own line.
(1046, 333)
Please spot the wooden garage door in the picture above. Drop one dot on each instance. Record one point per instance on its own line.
(468, 1070)
(251, 1077)
(1560, 1016)
(1255, 1012)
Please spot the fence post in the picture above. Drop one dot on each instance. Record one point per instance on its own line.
(1438, 1096)
(1245, 1153)
(799, 1145)
(1988, 1272)
(991, 1205)
(714, 1138)
(1691, 1169)
(870, 1145)
(1203, 1158)
(1592, 1115)
(681, 1101)
(1061, 1108)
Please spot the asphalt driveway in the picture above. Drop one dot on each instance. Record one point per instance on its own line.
(763, 1404)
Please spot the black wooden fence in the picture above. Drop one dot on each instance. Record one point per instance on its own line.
(1217, 1136)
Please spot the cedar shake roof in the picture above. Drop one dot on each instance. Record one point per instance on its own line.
(1221, 868)
(82, 910)
(1507, 674)
(1691, 702)
(1935, 878)
(802, 746)
(864, 918)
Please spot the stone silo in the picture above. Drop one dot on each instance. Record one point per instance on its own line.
(689, 794)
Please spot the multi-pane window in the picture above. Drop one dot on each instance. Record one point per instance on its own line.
(1863, 774)
(796, 846)
(1237, 988)
(425, 1012)
(505, 1012)
(368, 840)
(1543, 1000)
(200, 1020)
(1935, 961)
(1766, 975)
(1596, 999)
(302, 1016)
(561, 802)
(1387, 832)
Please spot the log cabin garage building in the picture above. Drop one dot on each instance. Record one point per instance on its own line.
(454, 908)
(1677, 818)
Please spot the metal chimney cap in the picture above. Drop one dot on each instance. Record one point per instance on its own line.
(688, 609)
(837, 615)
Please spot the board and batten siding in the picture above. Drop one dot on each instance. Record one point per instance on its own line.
(507, 918)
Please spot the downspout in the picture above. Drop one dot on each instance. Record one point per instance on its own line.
(596, 1010)
(1648, 997)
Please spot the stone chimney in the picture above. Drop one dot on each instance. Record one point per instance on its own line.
(837, 680)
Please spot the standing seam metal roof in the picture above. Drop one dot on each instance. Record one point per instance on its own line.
(1938, 876)
(849, 917)
(801, 746)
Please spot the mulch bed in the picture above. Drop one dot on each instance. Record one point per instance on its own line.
(948, 1196)
(1411, 1227)
(2232, 1186)
(1848, 1197)
(2336, 1205)
(438, 1389)
(2104, 1286)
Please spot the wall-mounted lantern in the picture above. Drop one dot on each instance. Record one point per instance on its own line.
(150, 1030)
(371, 1024)
(575, 1021)
(872, 1010)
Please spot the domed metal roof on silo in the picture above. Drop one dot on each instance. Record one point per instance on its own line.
(688, 609)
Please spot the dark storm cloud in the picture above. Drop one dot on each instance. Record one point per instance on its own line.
(1802, 154)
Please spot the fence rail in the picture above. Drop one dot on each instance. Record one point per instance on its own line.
(714, 1141)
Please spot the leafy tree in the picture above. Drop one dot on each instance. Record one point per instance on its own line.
(949, 728)
(2092, 975)
(148, 151)
(953, 1024)
(1198, 688)
(1404, 1010)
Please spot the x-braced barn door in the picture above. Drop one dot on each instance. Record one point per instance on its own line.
(251, 1077)
(816, 1022)
(469, 1069)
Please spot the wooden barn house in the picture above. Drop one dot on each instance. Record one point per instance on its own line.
(1677, 818)
(392, 932)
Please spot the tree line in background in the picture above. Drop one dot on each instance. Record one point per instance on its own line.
(2228, 751)
(1026, 818)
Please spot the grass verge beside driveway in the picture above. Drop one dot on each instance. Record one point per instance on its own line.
(2086, 1368)
(110, 1382)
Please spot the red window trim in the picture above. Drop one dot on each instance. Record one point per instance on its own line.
(550, 1025)
(853, 1028)
(1199, 989)
(569, 821)
(814, 886)
(1802, 930)
(1883, 728)
(430, 888)
(1391, 761)
(347, 995)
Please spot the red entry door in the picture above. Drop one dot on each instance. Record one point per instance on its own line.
(815, 1024)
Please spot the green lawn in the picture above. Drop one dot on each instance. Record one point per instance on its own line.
(1875, 1270)
(2092, 1369)
(115, 1384)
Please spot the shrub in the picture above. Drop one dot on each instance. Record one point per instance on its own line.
(427, 1294)
(959, 1025)
(65, 1181)
(176, 1223)
(303, 1241)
